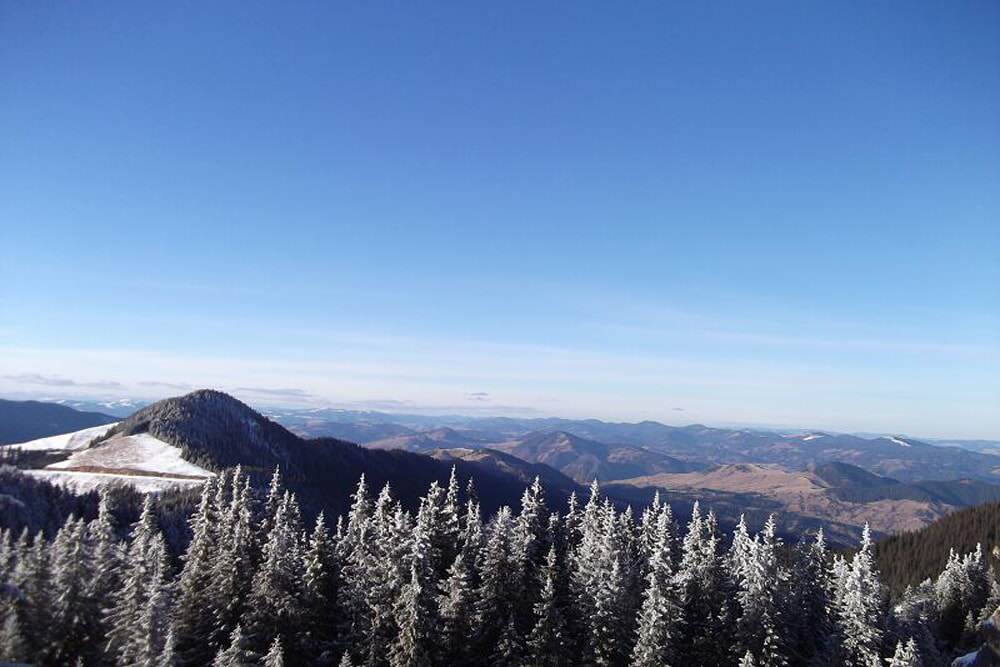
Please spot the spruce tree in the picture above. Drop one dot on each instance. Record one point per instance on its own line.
(75, 614)
(457, 610)
(660, 611)
(194, 614)
(906, 655)
(275, 603)
(494, 598)
(413, 645)
(142, 572)
(547, 641)
(275, 657)
(859, 619)
(13, 645)
(237, 654)
(318, 594)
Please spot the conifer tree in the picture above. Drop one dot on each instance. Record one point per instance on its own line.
(494, 600)
(232, 566)
(906, 655)
(660, 612)
(451, 518)
(168, 656)
(150, 635)
(75, 614)
(142, 573)
(108, 553)
(31, 577)
(759, 583)
(275, 605)
(413, 645)
(547, 642)
(275, 657)
(13, 646)
(509, 650)
(457, 609)
(700, 581)
(318, 595)
(194, 614)
(859, 620)
(237, 654)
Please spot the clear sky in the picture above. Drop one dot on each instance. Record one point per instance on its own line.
(768, 212)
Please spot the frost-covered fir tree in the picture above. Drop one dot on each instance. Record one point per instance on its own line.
(961, 591)
(13, 645)
(413, 646)
(608, 636)
(807, 619)
(510, 650)
(232, 567)
(143, 574)
(75, 613)
(760, 585)
(356, 552)
(916, 616)
(906, 655)
(237, 654)
(275, 604)
(168, 656)
(275, 656)
(457, 605)
(494, 598)
(318, 589)
(660, 612)
(859, 615)
(700, 579)
(108, 554)
(150, 635)
(194, 614)
(31, 578)
(546, 644)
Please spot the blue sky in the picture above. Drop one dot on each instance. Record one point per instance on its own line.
(775, 212)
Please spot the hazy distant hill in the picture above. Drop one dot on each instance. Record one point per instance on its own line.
(584, 460)
(901, 458)
(21, 421)
(439, 438)
(835, 492)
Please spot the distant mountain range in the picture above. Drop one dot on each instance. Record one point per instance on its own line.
(29, 420)
(810, 479)
(902, 458)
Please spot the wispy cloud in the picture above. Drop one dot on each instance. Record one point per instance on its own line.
(59, 381)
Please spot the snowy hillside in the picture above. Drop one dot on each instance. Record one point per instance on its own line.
(65, 442)
(141, 453)
(141, 461)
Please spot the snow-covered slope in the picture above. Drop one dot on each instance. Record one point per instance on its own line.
(146, 463)
(65, 442)
(140, 453)
(83, 482)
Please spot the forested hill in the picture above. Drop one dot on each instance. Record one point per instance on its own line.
(909, 558)
(27, 420)
(216, 431)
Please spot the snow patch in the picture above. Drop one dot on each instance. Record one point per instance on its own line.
(141, 452)
(67, 441)
(84, 482)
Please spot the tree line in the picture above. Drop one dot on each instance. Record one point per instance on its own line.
(387, 587)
